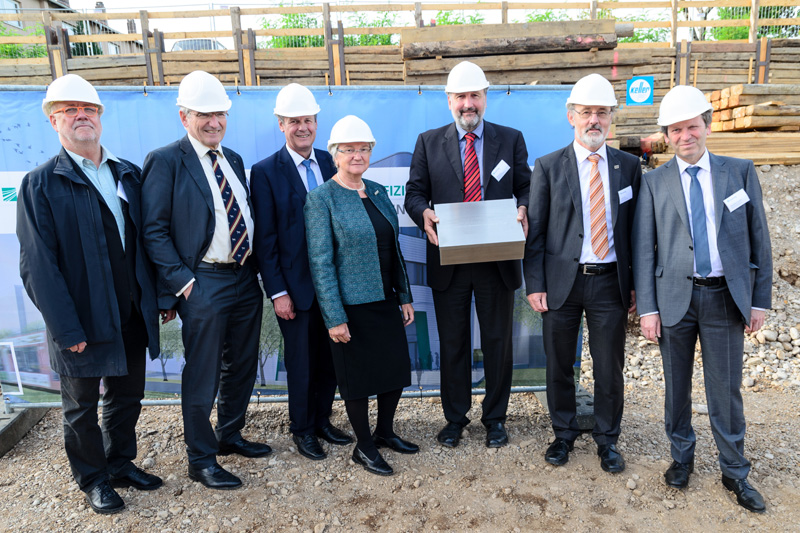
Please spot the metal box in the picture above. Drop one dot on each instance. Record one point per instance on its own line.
(479, 232)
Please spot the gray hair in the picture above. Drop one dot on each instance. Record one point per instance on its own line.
(707, 115)
(571, 107)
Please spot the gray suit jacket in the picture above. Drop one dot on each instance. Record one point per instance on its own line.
(663, 262)
(555, 216)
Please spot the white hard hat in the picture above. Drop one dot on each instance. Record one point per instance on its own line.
(202, 92)
(350, 129)
(682, 102)
(593, 89)
(70, 88)
(466, 77)
(294, 100)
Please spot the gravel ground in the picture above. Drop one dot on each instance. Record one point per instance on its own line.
(469, 488)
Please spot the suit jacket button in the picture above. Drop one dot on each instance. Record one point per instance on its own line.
(689, 278)
(691, 247)
(580, 235)
(576, 259)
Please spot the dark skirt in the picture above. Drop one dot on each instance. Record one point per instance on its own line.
(376, 358)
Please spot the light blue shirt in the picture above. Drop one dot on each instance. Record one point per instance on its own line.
(103, 180)
(298, 159)
(478, 144)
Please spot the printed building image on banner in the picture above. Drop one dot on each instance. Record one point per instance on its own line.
(134, 124)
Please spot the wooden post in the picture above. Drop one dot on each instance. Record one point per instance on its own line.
(750, 71)
(418, 15)
(683, 65)
(341, 72)
(763, 49)
(236, 29)
(672, 75)
(753, 21)
(694, 78)
(593, 9)
(146, 42)
(329, 44)
(158, 46)
(250, 58)
(504, 12)
(673, 26)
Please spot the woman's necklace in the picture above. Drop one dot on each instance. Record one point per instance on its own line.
(342, 183)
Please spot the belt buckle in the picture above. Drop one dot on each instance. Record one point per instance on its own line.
(590, 270)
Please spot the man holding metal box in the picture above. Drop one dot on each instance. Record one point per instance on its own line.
(466, 161)
(578, 261)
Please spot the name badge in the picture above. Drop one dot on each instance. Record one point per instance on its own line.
(736, 200)
(625, 194)
(121, 192)
(500, 170)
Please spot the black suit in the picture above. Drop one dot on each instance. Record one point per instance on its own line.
(437, 177)
(222, 316)
(552, 257)
(279, 196)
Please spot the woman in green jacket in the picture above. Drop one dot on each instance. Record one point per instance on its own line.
(363, 291)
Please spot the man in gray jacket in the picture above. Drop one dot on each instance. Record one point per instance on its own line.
(703, 268)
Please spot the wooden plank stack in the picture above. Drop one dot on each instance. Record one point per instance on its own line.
(756, 107)
(761, 147)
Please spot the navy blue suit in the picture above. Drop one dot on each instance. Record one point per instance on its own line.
(279, 244)
(222, 316)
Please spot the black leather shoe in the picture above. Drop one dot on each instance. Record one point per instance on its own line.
(334, 435)
(245, 448)
(450, 435)
(104, 499)
(395, 443)
(309, 446)
(746, 495)
(610, 458)
(558, 452)
(138, 479)
(378, 466)
(677, 475)
(215, 477)
(496, 436)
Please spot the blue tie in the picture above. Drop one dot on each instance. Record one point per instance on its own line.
(310, 177)
(702, 257)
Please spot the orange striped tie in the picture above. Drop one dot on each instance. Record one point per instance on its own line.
(597, 210)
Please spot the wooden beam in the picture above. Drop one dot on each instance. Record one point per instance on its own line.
(236, 30)
(146, 42)
(342, 67)
(762, 62)
(753, 35)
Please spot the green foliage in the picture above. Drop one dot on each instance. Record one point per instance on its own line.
(171, 344)
(451, 18)
(18, 51)
(292, 21)
(547, 16)
(270, 341)
(766, 12)
(644, 35)
(384, 19)
(84, 49)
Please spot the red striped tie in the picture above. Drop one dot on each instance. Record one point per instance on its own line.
(472, 171)
(597, 210)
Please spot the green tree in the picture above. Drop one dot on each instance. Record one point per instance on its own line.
(547, 15)
(171, 344)
(19, 51)
(292, 21)
(270, 341)
(765, 12)
(384, 19)
(451, 18)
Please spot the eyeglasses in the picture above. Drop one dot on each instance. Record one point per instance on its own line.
(585, 114)
(351, 151)
(221, 115)
(72, 111)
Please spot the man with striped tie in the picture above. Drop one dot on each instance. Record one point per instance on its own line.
(470, 160)
(197, 230)
(578, 261)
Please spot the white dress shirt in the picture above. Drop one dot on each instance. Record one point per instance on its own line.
(301, 169)
(706, 183)
(585, 175)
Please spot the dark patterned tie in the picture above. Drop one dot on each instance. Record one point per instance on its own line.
(472, 171)
(240, 244)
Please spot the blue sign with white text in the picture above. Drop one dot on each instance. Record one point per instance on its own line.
(640, 91)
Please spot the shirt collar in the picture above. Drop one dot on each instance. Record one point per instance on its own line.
(477, 131)
(582, 153)
(106, 156)
(298, 159)
(704, 163)
(202, 149)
